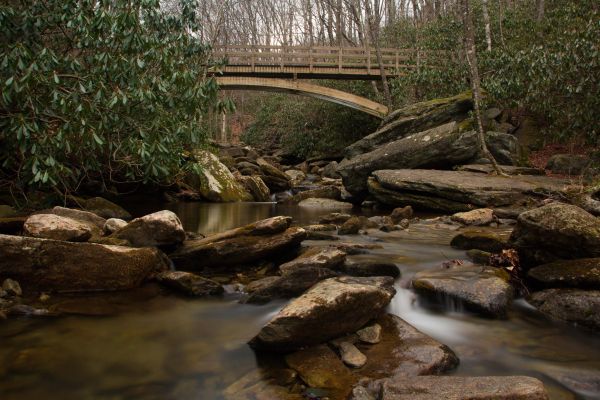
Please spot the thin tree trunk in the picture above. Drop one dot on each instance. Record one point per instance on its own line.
(486, 21)
(540, 9)
(374, 30)
(470, 49)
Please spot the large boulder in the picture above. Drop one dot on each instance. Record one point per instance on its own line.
(414, 118)
(556, 231)
(52, 265)
(93, 221)
(161, 228)
(485, 290)
(265, 239)
(50, 226)
(463, 388)
(330, 309)
(325, 204)
(575, 306)
(215, 182)
(456, 191)
(256, 187)
(583, 273)
(274, 178)
(568, 164)
(440, 147)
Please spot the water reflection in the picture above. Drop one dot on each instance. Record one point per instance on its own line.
(166, 347)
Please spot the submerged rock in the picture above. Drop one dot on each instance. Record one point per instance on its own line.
(335, 218)
(50, 226)
(556, 231)
(457, 191)
(464, 388)
(355, 224)
(574, 306)
(401, 213)
(485, 290)
(161, 228)
(371, 268)
(331, 308)
(189, 284)
(583, 273)
(71, 267)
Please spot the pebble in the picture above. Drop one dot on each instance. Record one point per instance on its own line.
(12, 287)
(370, 334)
(351, 356)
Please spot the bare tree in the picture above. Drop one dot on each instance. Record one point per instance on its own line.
(486, 21)
(471, 52)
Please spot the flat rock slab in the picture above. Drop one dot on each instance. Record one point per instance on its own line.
(447, 190)
(315, 257)
(583, 273)
(72, 267)
(464, 388)
(574, 306)
(329, 309)
(196, 255)
(485, 290)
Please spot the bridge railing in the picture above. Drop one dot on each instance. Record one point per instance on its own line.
(319, 57)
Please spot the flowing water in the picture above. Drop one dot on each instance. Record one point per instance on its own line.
(148, 345)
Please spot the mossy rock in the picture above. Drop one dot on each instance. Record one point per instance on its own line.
(215, 182)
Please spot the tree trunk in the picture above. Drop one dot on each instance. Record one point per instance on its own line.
(486, 21)
(470, 49)
(374, 31)
(540, 10)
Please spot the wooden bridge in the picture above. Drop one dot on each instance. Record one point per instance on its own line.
(282, 68)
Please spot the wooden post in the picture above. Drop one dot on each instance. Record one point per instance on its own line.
(340, 59)
(282, 53)
(397, 61)
(369, 61)
(310, 59)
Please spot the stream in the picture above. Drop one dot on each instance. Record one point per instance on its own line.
(145, 344)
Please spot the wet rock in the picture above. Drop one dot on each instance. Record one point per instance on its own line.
(215, 182)
(479, 256)
(579, 307)
(556, 231)
(189, 284)
(568, 164)
(351, 356)
(289, 285)
(161, 228)
(414, 118)
(315, 257)
(11, 287)
(329, 309)
(484, 290)
(479, 217)
(325, 203)
(275, 179)
(257, 385)
(271, 225)
(320, 367)
(401, 213)
(50, 226)
(65, 266)
(28, 311)
(486, 241)
(257, 188)
(581, 381)
(355, 224)
(356, 248)
(296, 177)
(457, 191)
(105, 208)
(370, 334)
(335, 218)
(112, 225)
(320, 228)
(583, 273)
(371, 268)
(507, 169)
(325, 192)
(464, 388)
(240, 246)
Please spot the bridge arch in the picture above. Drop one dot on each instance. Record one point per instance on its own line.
(303, 88)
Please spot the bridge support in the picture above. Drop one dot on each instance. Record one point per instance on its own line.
(303, 88)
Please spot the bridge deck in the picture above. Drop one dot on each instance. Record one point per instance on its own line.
(318, 62)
